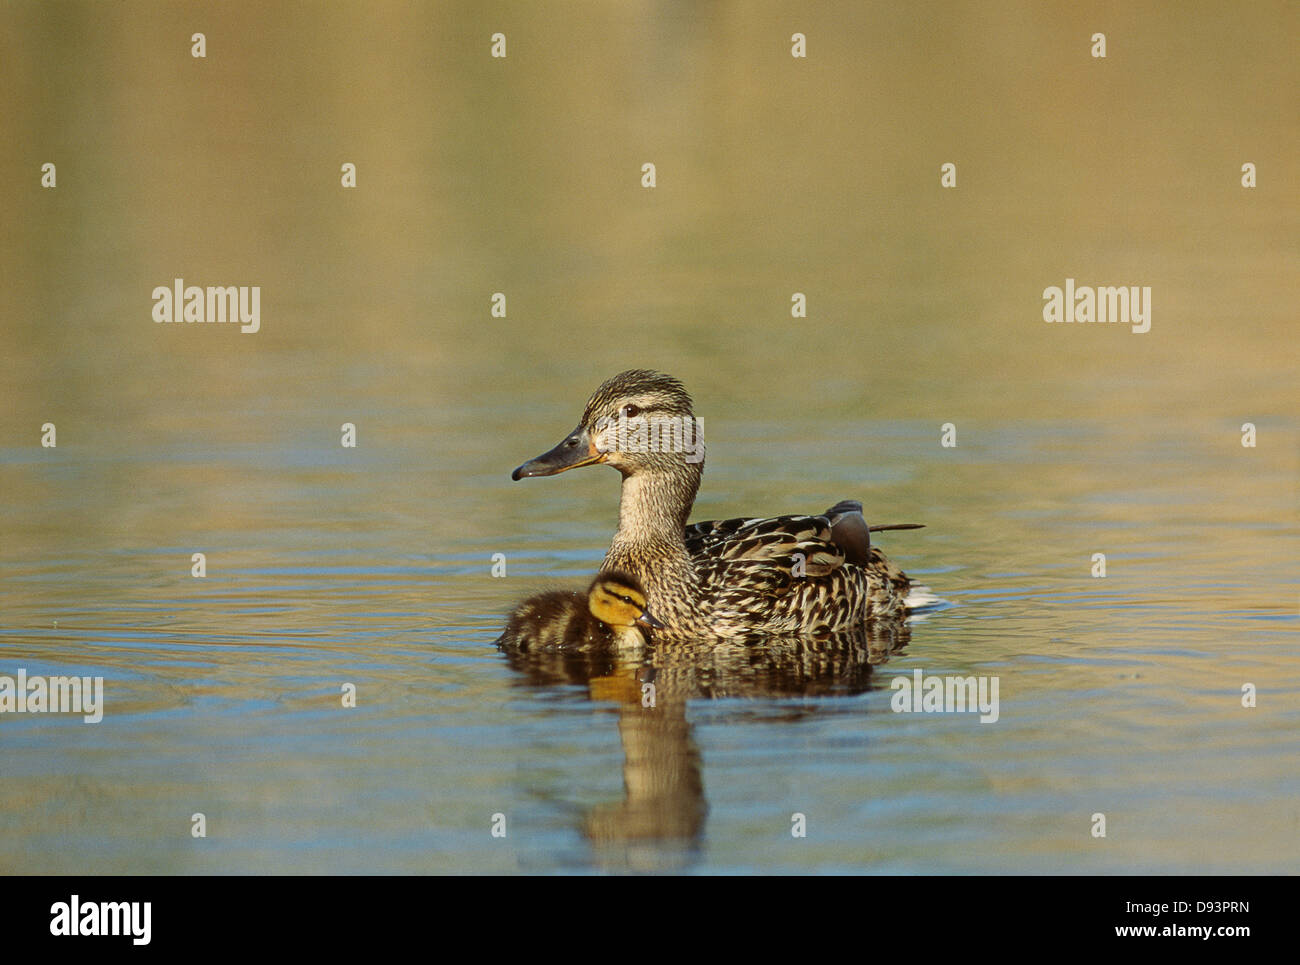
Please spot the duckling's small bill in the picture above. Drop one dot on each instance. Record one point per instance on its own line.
(648, 620)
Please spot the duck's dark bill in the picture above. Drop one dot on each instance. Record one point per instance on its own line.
(576, 450)
(649, 621)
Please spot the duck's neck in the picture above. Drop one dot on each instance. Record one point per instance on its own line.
(656, 506)
(650, 542)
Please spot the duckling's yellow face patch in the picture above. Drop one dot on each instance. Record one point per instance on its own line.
(617, 605)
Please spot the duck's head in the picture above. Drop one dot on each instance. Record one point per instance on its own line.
(616, 599)
(638, 422)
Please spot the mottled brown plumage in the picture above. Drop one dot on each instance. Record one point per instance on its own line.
(787, 574)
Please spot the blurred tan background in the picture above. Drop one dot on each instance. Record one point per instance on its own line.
(522, 175)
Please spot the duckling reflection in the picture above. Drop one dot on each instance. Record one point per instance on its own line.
(611, 614)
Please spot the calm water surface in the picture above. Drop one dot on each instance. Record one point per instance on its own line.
(372, 566)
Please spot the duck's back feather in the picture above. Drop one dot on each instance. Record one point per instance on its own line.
(805, 574)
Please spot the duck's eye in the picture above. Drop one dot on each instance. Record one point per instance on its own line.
(631, 411)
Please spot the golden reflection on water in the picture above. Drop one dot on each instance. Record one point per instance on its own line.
(664, 795)
(522, 176)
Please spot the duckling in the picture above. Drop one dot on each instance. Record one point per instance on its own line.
(813, 574)
(612, 612)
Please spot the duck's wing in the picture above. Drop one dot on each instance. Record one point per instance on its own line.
(848, 530)
(699, 535)
(795, 573)
(768, 542)
(774, 574)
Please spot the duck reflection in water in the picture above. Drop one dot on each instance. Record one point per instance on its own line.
(660, 821)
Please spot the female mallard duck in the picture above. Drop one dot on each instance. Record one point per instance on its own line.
(732, 577)
(610, 614)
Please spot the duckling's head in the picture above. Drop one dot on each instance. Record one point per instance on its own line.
(639, 422)
(617, 599)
